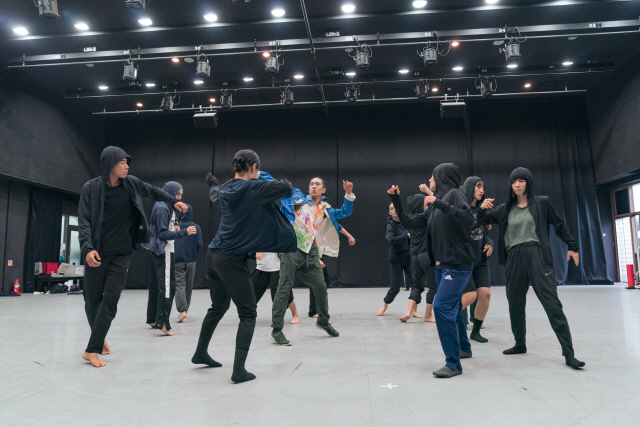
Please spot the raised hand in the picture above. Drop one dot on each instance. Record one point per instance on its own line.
(211, 179)
(425, 189)
(487, 204)
(394, 190)
(575, 256)
(181, 207)
(429, 200)
(348, 187)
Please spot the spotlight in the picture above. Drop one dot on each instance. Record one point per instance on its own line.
(139, 105)
(266, 54)
(350, 74)
(82, 26)
(226, 99)
(248, 79)
(429, 56)
(512, 66)
(435, 89)
(567, 63)
(212, 100)
(422, 89)
(211, 17)
(419, 4)
(48, 8)
(198, 82)
(167, 103)
(486, 86)
(204, 69)
(150, 85)
(272, 66)
(455, 44)
(528, 85)
(136, 4)
(348, 8)
(403, 71)
(145, 22)
(512, 51)
(278, 13)
(458, 68)
(130, 71)
(103, 87)
(176, 60)
(298, 76)
(363, 54)
(352, 93)
(21, 31)
(287, 96)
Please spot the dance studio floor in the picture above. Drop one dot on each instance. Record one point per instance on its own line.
(377, 373)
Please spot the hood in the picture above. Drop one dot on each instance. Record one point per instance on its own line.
(447, 177)
(469, 189)
(109, 159)
(172, 188)
(187, 216)
(520, 173)
(415, 204)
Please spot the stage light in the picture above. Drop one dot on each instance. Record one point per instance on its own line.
(486, 86)
(272, 66)
(150, 85)
(491, 1)
(203, 69)
(130, 71)
(350, 74)
(512, 51)
(298, 76)
(103, 87)
(211, 17)
(145, 22)
(422, 89)
(352, 93)
(512, 66)
(567, 63)
(435, 89)
(167, 103)
(197, 82)
(136, 5)
(139, 105)
(266, 54)
(212, 100)
(82, 26)
(362, 56)
(458, 68)
(47, 8)
(419, 4)
(429, 56)
(528, 85)
(348, 8)
(226, 99)
(278, 13)
(248, 79)
(176, 60)
(286, 97)
(455, 44)
(21, 31)
(403, 71)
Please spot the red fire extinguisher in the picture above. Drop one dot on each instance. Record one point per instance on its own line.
(16, 288)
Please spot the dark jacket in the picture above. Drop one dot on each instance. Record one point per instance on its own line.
(397, 238)
(161, 214)
(416, 222)
(251, 221)
(542, 211)
(91, 207)
(187, 249)
(450, 233)
(469, 188)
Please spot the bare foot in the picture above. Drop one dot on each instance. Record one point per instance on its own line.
(415, 314)
(295, 320)
(153, 325)
(164, 329)
(93, 358)
(405, 317)
(183, 316)
(430, 319)
(316, 316)
(383, 309)
(106, 349)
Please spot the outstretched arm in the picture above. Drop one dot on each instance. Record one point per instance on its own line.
(487, 214)
(460, 212)
(347, 206)
(160, 195)
(214, 187)
(408, 222)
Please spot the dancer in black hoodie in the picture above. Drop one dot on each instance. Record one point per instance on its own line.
(450, 250)
(250, 223)
(479, 285)
(525, 249)
(399, 257)
(111, 221)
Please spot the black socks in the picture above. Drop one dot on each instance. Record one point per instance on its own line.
(515, 350)
(204, 359)
(574, 363)
(475, 333)
(240, 374)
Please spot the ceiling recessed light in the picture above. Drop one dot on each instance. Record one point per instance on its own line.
(197, 82)
(491, 1)
(419, 4)
(103, 87)
(266, 54)
(189, 60)
(573, 38)
(498, 42)
(528, 85)
(89, 65)
(512, 66)
(21, 31)
(435, 89)
(458, 68)
(175, 60)
(212, 100)
(567, 63)
(139, 104)
(145, 22)
(455, 44)
(211, 17)
(350, 74)
(150, 85)
(278, 13)
(348, 8)
(298, 76)
(248, 79)
(403, 71)
(82, 26)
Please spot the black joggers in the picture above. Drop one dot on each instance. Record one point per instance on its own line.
(162, 290)
(525, 265)
(102, 288)
(423, 275)
(400, 269)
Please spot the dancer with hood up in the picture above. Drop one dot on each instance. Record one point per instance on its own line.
(250, 223)
(525, 249)
(186, 256)
(399, 257)
(479, 285)
(450, 250)
(111, 221)
(162, 233)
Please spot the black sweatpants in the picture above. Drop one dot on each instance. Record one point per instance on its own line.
(161, 295)
(263, 280)
(312, 297)
(229, 279)
(525, 266)
(423, 275)
(400, 269)
(102, 288)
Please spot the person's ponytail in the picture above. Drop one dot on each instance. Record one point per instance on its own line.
(244, 160)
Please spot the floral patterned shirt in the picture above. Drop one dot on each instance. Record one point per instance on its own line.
(307, 224)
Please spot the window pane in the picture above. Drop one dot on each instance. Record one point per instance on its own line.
(636, 197)
(625, 246)
(74, 249)
(622, 201)
(73, 220)
(63, 238)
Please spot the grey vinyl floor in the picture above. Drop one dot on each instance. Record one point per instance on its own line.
(377, 373)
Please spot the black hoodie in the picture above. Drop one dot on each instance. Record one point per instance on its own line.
(91, 207)
(187, 249)
(542, 211)
(397, 238)
(416, 222)
(450, 237)
(479, 233)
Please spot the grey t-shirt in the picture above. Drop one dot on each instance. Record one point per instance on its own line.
(521, 228)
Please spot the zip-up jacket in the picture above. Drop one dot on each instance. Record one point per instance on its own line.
(397, 238)
(187, 249)
(161, 213)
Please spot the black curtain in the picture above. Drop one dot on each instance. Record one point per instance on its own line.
(43, 233)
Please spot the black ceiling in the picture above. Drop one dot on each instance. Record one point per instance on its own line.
(595, 53)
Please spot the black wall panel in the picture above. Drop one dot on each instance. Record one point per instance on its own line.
(16, 234)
